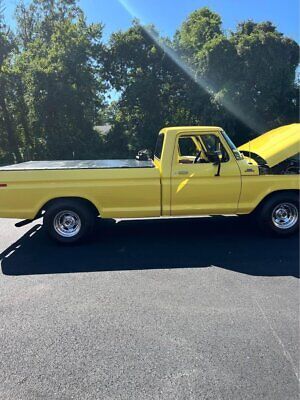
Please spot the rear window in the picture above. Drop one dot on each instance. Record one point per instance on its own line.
(159, 146)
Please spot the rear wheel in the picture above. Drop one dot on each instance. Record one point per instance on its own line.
(280, 215)
(69, 221)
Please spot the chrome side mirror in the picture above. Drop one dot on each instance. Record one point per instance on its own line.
(143, 155)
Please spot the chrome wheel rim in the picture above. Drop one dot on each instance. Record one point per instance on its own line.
(285, 215)
(67, 223)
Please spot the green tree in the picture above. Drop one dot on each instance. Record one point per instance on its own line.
(9, 141)
(243, 81)
(199, 28)
(268, 62)
(152, 87)
(249, 73)
(61, 82)
(56, 76)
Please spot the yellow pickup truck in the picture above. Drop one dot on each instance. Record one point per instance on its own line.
(194, 171)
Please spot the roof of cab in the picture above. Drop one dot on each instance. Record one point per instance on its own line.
(184, 129)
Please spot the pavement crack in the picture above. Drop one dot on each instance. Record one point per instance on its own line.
(285, 352)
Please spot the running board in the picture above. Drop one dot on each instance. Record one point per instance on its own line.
(23, 223)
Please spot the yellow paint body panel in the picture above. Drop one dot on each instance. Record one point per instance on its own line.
(256, 188)
(152, 192)
(277, 145)
(118, 193)
(199, 191)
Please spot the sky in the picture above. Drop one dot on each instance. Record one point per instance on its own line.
(168, 15)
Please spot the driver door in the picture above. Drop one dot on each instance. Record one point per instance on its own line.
(195, 188)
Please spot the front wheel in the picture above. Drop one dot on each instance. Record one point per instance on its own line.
(69, 221)
(280, 215)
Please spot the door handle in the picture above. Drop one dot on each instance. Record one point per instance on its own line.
(182, 172)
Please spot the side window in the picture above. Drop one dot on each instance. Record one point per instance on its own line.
(159, 146)
(212, 144)
(187, 147)
(197, 149)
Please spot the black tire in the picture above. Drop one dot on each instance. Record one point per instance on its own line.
(278, 209)
(69, 221)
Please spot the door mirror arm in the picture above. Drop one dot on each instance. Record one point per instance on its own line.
(215, 158)
(219, 167)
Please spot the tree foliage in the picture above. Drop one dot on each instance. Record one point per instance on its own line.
(56, 76)
(152, 88)
(243, 81)
(56, 87)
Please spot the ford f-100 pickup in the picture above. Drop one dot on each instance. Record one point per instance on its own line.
(194, 171)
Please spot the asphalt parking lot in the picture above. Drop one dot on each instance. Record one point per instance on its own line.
(171, 309)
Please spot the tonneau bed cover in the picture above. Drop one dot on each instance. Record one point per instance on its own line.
(77, 164)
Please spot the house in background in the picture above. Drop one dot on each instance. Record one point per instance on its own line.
(102, 130)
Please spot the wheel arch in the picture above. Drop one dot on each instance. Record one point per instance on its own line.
(84, 201)
(282, 192)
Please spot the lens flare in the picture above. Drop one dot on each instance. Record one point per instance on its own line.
(226, 102)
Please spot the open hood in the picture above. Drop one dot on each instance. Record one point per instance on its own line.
(275, 146)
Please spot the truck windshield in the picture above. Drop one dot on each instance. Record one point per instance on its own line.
(232, 146)
(159, 146)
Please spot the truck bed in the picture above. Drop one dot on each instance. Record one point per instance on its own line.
(77, 164)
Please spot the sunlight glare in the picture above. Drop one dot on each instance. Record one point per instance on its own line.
(204, 84)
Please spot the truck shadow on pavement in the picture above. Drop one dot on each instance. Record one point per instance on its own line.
(226, 242)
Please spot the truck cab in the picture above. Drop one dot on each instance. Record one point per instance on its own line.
(200, 172)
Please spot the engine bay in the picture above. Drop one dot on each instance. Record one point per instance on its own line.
(290, 166)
